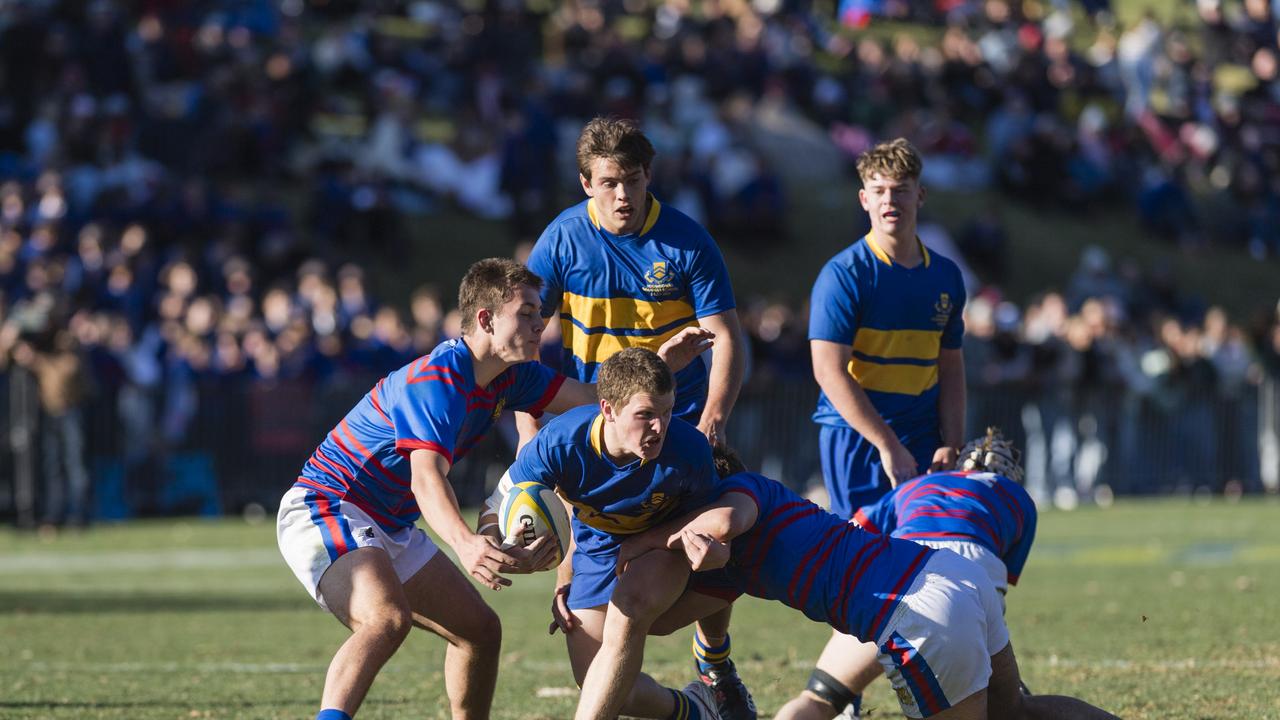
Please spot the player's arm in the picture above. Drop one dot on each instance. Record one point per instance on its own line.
(728, 365)
(951, 401)
(723, 520)
(831, 370)
(480, 555)
(562, 618)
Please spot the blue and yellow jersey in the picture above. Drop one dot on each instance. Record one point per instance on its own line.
(897, 319)
(813, 561)
(620, 291)
(979, 507)
(612, 501)
(432, 403)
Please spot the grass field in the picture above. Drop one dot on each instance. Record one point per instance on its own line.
(1154, 609)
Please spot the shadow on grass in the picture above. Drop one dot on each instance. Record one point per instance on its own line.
(64, 603)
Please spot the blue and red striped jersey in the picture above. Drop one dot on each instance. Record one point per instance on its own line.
(979, 507)
(432, 403)
(819, 563)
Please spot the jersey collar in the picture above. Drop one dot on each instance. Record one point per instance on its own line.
(650, 220)
(884, 257)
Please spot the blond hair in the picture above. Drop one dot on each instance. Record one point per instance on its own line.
(630, 372)
(896, 159)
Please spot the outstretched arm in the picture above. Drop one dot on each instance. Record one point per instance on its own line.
(723, 520)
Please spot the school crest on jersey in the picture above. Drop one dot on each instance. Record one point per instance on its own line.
(659, 279)
(497, 409)
(904, 695)
(655, 502)
(942, 309)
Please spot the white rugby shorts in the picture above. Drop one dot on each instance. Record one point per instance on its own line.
(313, 531)
(986, 559)
(937, 647)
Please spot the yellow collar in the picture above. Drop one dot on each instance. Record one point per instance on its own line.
(884, 257)
(650, 220)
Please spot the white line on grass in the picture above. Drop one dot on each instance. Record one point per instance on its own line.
(57, 563)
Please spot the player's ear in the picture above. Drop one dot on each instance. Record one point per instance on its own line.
(484, 320)
(920, 197)
(862, 198)
(586, 184)
(606, 409)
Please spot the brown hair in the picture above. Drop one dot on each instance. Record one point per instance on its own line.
(727, 462)
(488, 284)
(632, 371)
(614, 139)
(896, 159)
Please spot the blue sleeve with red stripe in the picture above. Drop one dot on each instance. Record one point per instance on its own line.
(1016, 558)
(534, 386)
(430, 414)
(880, 517)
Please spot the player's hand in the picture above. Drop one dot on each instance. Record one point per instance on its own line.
(898, 463)
(713, 428)
(562, 618)
(539, 555)
(483, 559)
(687, 344)
(944, 458)
(703, 551)
(629, 550)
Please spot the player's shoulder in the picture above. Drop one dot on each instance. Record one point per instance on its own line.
(569, 426)
(853, 259)
(943, 264)
(446, 370)
(685, 439)
(679, 231)
(571, 222)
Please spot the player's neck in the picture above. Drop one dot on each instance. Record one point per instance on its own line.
(485, 364)
(611, 446)
(903, 248)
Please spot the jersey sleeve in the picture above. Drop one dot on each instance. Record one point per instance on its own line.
(544, 262)
(953, 332)
(533, 386)
(702, 480)
(710, 291)
(880, 517)
(833, 305)
(1016, 558)
(537, 462)
(429, 416)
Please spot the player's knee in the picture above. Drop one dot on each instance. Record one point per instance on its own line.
(483, 629)
(391, 623)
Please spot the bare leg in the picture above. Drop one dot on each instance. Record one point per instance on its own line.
(363, 592)
(847, 659)
(1007, 700)
(447, 604)
(651, 584)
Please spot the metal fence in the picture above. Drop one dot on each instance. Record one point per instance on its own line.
(222, 444)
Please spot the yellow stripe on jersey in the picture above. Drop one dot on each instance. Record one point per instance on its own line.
(904, 379)
(655, 208)
(618, 524)
(599, 347)
(622, 313)
(901, 344)
(596, 435)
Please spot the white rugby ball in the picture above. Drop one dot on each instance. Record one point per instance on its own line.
(530, 510)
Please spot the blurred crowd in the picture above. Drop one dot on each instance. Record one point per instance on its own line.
(183, 185)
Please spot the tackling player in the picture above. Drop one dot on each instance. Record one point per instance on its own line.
(346, 527)
(981, 513)
(935, 618)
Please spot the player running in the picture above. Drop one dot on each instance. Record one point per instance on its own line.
(623, 467)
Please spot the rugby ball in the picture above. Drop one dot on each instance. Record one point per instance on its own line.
(530, 510)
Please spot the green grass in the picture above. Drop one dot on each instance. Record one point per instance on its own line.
(1151, 609)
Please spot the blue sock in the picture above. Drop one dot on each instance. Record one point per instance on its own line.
(332, 714)
(685, 709)
(708, 656)
(857, 705)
